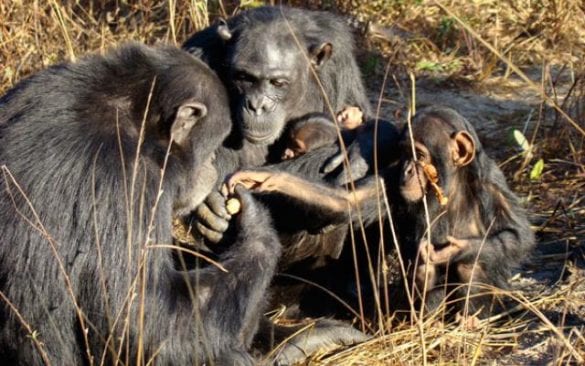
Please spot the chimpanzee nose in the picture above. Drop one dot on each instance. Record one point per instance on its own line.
(258, 106)
(255, 106)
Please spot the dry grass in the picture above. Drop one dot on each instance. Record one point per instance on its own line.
(526, 32)
(440, 39)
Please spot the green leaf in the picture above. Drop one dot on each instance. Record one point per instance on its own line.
(426, 65)
(537, 169)
(521, 140)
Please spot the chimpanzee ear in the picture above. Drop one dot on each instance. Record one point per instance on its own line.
(320, 54)
(186, 117)
(223, 30)
(464, 148)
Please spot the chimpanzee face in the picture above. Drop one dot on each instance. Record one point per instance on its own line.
(269, 68)
(439, 151)
(268, 82)
(194, 113)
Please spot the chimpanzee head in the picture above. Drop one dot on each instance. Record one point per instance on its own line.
(445, 146)
(181, 102)
(268, 60)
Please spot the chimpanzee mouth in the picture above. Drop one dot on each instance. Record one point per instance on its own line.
(258, 137)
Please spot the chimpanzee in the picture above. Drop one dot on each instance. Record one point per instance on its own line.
(312, 216)
(316, 131)
(280, 65)
(309, 134)
(479, 232)
(478, 229)
(97, 157)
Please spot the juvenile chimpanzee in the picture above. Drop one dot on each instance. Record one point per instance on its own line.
(478, 230)
(318, 131)
(96, 158)
(280, 64)
(309, 134)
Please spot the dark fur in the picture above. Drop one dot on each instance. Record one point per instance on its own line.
(306, 228)
(296, 42)
(316, 241)
(289, 39)
(259, 33)
(478, 194)
(58, 139)
(310, 134)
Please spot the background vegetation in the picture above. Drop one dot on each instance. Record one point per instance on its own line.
(527, 52)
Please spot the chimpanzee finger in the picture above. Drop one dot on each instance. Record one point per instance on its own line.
(225, 190)
(459, 243)
(243, 195)
(210, 235)
(210, 219)
(216, 202)
(250, 180)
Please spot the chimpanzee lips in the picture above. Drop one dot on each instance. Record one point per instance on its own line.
(257, 137)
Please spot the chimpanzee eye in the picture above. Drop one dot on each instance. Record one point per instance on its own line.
(279, 83)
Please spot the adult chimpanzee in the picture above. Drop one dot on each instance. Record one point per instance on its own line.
(280, 64)
(97, 156)
(478, 230)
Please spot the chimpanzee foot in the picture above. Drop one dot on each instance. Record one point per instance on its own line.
(324, 335)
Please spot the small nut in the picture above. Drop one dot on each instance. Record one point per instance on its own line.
(233, 206)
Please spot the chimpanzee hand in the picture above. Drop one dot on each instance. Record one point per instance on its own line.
(430, 255)
(256, 180)
(251, 214)
(212, 217)
(360, 152)
(358, 163)
(350, 118)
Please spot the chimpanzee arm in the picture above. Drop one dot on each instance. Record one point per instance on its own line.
(234, 308)
(333, 202)
(500, 250)
(250, 264)
(212, 218)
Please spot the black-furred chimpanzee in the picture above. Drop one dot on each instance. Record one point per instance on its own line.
(97, 157)
(478, 230)
(317, 131)
(280, 65)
